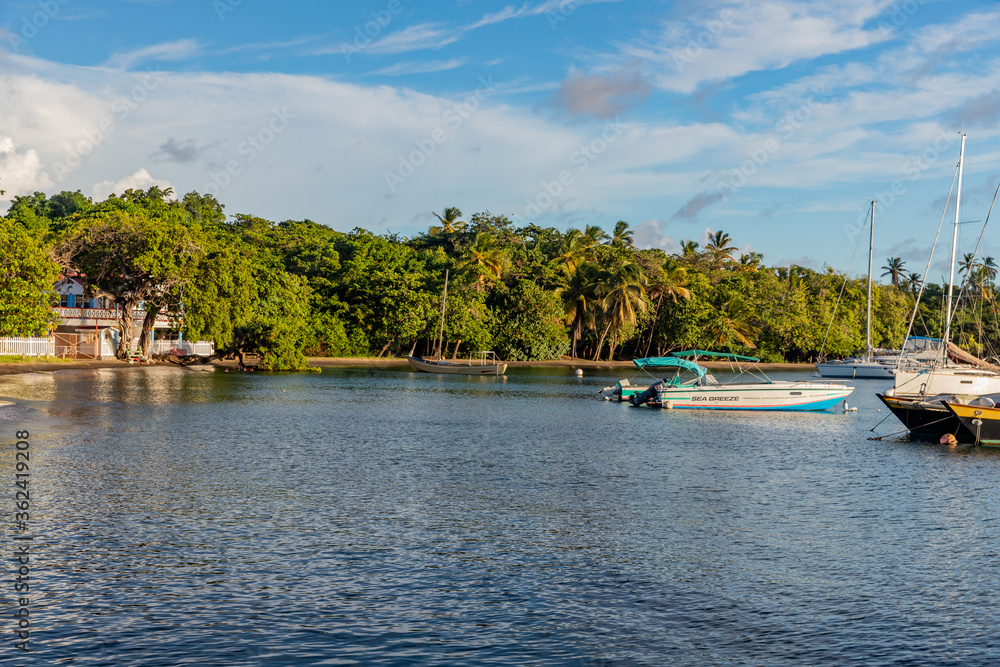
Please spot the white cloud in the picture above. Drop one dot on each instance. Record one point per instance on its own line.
(736, 38)
(401, 69)
(140, 180)
(652, 234)
(181, 49)
(20, 173)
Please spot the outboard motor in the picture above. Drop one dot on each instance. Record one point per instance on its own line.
(639, 399)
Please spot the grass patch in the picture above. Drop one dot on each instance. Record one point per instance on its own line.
(19, 359)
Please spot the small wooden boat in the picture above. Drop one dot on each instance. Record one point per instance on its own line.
(484, 362)
(702, 391)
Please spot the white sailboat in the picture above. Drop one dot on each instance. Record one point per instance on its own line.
(481, 362)
(866, 367)
(945, 376)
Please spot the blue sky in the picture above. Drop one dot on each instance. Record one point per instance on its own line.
(776, 121)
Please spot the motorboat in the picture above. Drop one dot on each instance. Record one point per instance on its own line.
(688, 385)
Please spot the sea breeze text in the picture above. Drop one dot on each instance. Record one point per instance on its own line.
(22, 541)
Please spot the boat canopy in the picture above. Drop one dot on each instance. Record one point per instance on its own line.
(670, 362)
(727, 356)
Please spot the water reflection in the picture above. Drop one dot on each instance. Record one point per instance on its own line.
(387, 517)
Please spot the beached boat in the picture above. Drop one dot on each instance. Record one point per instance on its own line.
(690, 386)
(482, 362)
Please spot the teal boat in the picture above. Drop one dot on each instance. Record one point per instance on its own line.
(680, 382)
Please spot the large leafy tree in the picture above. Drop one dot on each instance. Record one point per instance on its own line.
(139, 250)
(27, 275)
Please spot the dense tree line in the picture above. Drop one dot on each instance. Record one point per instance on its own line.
(294, 289)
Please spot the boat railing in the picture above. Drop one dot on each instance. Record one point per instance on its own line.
(484, 358)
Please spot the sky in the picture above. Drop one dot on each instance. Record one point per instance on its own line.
(776, 121)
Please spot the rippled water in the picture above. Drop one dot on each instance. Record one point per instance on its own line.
(388, 517)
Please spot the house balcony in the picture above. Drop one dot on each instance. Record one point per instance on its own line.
(101, 318)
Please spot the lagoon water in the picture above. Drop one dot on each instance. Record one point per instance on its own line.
(388, 517)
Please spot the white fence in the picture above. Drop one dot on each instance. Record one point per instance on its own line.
(184, 348)
(29, 347)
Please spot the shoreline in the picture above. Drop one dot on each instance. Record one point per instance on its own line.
(353, 362)
(18, 367)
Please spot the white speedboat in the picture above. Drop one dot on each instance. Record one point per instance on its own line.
(692, 386)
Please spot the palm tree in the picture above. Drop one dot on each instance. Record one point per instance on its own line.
(894, 269)
(622, 293)
(720, 248)
(734, 323)
(573, 252)
(450, 224)
(483, 258)
(580, 301)
(669, 281)
(622, 235)
(595, 235)
(689, 248)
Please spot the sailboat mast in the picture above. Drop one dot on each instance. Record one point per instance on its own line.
(954, 248)
(868, 317)
(444, 300)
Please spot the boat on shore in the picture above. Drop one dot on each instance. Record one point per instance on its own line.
(691, 386)
(483, 362)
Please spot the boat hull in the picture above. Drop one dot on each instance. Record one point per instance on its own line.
(785, 396)
(455, 368)
(938, 381)
(921, 419)
(985, 432)
(861, 369)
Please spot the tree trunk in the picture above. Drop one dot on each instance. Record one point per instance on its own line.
(454, 355)
(147, 326)
(384, 348)
(656, 321)
(600, 342)
(125, 329)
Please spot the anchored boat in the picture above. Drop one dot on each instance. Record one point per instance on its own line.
(690, 385)
(482, 362)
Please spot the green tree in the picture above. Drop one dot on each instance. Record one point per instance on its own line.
(894, 269)
(27, 276)
(528, 323)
